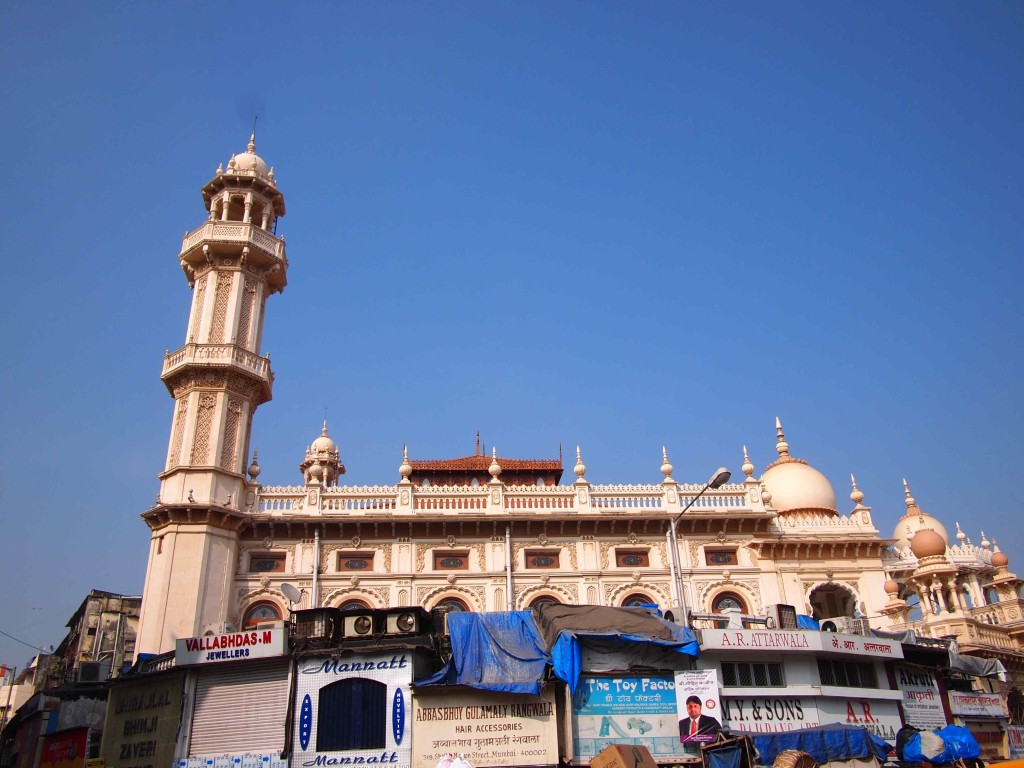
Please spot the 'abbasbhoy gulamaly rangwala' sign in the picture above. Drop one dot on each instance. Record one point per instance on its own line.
(488, 729)
(353, 710)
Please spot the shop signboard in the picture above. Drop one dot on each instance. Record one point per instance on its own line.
(798, 641)
(1015, 741)
(485, 727)
(142, 722)
(261, 643)
(976, 704)
(625, 709)
(922, 700)
(65, 749)
(880, 716)
(769, 714)
(990, 738)
(353, 710)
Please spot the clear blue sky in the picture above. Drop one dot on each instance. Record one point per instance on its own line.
(622, 225)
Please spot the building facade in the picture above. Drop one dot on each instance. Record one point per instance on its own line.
(484, 532)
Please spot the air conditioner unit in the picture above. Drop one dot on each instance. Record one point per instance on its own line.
(406, 621)
(218, 629)
(93, 671)
(439, 617)
(318, 624)
(358, 624)
(676, 614)
(846, 625)
(781, 616)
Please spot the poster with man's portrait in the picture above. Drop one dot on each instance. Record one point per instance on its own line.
(698, 705)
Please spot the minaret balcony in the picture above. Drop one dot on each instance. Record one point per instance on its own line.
(226, 356)
(226, 237)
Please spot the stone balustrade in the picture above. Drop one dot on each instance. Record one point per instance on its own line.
(234, 232)
(217, 353)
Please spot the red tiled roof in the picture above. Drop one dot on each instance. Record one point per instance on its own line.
(482, 462)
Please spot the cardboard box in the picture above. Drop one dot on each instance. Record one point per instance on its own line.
(624, 756)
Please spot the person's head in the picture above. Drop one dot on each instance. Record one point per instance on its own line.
(693, 707)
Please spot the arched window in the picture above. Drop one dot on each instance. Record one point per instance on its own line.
(537, 602)
(540, 482)
(260, 612)
(991, 596)
(727, 601)
(637, 600)
(354, 605)
(474, 482)
(452, 604)
(353, 715)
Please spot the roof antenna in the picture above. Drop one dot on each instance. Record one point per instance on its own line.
(255, 117)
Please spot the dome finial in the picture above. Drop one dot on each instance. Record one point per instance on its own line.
(910, 501)
(857, 495)
(984, 540)
(666, 466)
(254, 468)
(495, 468)
(580, 469)
(960, 535)
(781, 446)
(748, 467)
(252, 143)
(406, 469)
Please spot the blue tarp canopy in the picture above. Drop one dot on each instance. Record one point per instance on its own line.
(824, 743)
(509, 651)
(500, 651)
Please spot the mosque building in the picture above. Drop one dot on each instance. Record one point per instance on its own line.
(491, 533)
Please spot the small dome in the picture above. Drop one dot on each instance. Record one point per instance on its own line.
(796, 486)
(915, 520)
(323, 443)
(249, 161)
(927, 543)
(892, 587)
(999, 559)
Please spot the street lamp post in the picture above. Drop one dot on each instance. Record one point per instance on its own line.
(720, 478)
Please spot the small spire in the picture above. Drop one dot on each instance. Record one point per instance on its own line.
(995, 545)
(231, 162)
(984, 540)
(580, 469)
(251, 149)
(960, 535)
(323, 432)
(495, 468)
(748, 467)
(910, 501)
(220, 168)
(857, 495)
(478, 443)
(254, 468)
(666, 466)
(781, 446)
(406, 469)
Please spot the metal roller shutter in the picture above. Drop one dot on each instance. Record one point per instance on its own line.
(240, 710)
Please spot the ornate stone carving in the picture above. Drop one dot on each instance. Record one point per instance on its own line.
(229, 449)
(204, 424)
(220, 307)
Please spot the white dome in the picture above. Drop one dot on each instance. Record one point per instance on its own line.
(915, 520)
(248, 161)
(911, 523)
(796, 485)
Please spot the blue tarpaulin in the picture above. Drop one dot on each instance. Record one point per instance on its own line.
(499, 651)
(958, 743)
(803, 621)
(566, 654)
(824, 743)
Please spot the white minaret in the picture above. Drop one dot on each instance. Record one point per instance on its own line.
(217, 379)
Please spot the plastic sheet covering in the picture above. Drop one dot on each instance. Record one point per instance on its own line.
(730, 757)
(824, 743)
(954, 743)
(566, 656)
(499, 651)
(803, 621)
